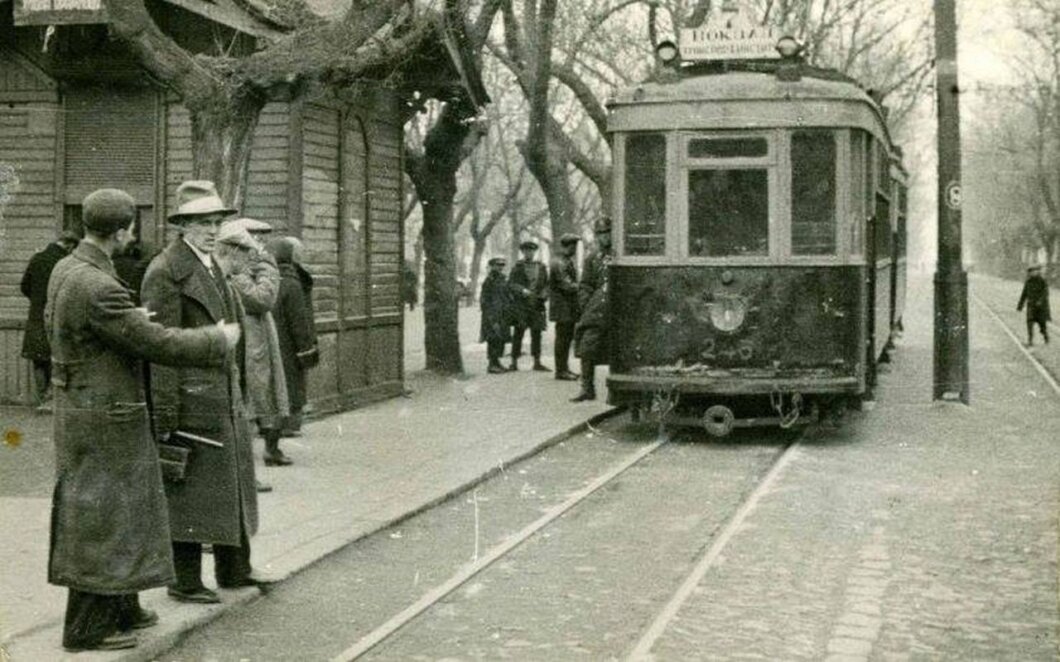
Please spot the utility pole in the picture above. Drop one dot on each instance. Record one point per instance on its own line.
(951, 281)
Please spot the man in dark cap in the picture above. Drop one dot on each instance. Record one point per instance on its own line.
(216, 502)
(591, 334)
(529, 288)
(34, 286)
(1035, 296)
(563, 302)
(495, 302)
(110, 528)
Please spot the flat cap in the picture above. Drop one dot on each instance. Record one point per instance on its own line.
(529, 244)
(107, 210)
(249, 224)
(569, 238)
(236, 236)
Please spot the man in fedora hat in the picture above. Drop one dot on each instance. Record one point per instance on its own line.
(563, 302)
(110, 535)
(216, 502)
(495, 304)
(591, 333)
(1035, 296)
(529, 287)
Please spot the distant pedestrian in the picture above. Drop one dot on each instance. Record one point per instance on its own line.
(591, 334)
(563, 302)
(110, 528)
(495, 302)
(34, 286)
(1035, 296)
(216, 502)
(409, 285)
(257, 281)
(529, 288)
(295, 325)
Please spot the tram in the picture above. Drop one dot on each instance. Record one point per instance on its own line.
(759, 238)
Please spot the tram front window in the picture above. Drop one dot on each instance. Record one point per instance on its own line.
(728, 213)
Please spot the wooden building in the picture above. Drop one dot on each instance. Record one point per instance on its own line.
(77, 113)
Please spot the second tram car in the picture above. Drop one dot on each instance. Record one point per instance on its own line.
(759, 244)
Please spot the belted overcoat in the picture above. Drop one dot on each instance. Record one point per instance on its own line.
(592, 333)
(219, 490)
(495, 303)
(109, 528)
(529, 285)
(563, 289)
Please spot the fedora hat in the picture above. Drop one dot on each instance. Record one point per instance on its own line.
(527, 245)
(198, 198)
(251, 225)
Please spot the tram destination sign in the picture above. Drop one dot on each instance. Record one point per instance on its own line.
(729, 35)
(59, 12)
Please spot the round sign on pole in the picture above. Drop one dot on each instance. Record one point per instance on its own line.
(953, 196)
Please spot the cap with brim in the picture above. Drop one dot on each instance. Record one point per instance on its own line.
(107, 210)
(198, 198)
(236, 236)
(497, 262)
(528, 245)
(1034, 267)
(569, 238)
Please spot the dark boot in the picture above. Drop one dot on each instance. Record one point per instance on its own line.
(588, 383)
(514, 364)
(274, 457)
(539, 366)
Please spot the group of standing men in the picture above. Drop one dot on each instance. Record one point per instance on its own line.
(153, 432)
(514, 305)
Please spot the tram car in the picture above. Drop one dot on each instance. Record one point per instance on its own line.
(759, 238)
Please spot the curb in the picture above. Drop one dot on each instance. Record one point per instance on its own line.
(151, 648)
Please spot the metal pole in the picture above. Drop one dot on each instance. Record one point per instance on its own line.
(951, 281)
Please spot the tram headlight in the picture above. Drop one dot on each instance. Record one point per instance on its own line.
(667, 52)
(788, 47)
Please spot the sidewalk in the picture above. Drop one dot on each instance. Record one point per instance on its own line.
(354, 474)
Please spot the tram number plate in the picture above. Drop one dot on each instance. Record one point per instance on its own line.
(953, 196)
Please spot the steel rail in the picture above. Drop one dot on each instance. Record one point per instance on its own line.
(395, 623)
(642, 649)
(1046, 375)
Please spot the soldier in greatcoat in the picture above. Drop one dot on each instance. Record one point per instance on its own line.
(495, 303)
(110, 528)
(1035, 296)
(216, 503)
(591, 334)
(528, 282)
(563, 302)
(34, 286)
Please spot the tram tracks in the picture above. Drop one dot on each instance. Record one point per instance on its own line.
(1040, 367)
(715, 546)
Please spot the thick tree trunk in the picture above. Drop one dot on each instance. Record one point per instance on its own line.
(434, 175)
(550, 171)
(222, 133)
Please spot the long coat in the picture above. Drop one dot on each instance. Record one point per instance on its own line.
(35, 287)
(591, 333)
(206, 507)
(529, 289)
(495, 303)
(110, 529)
(1035, 296)
(563, 290)
(258, 286)
(294, 324)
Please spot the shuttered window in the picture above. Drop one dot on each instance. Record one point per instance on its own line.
(110, 141)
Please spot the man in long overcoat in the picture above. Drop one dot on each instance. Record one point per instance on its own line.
(34, 286)
(591, 334)
(110, 530)
(1035, 296)
(295, 325)
(563, 302)
(258, 286)
(216, 503)
(495, 303)
(529, 288)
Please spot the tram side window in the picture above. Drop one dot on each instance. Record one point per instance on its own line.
(813, 189)
(644, 206)
(857, 186)
(728, 212)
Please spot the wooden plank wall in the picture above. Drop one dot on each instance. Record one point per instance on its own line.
(320, 205)
(266, 197)
(29, 135)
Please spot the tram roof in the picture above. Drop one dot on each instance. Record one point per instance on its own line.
(814, 89)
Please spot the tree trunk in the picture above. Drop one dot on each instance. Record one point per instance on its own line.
(550, 170)
(434, 175)
(222, 133)
(479, 247)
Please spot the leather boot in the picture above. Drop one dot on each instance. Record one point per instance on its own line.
(274, 457)
(514, 364)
